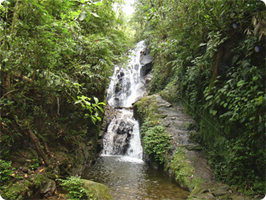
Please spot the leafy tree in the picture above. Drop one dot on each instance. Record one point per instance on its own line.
(52, 54)
(213, 52)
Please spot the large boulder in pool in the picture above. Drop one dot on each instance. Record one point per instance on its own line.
(96, 190)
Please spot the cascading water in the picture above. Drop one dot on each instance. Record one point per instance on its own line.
(126, 84)
(121, 167)
(123, 137)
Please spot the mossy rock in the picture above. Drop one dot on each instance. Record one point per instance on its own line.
(216, 190)
(170, 93)
(202, 191)
(25, 188)
(147, 107)
(96, 190)
(184, 172)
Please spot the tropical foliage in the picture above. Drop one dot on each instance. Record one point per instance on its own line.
(75, 187)
(56, 57)
(157, 143)
(213, 52)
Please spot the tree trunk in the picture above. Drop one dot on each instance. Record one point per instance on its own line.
(37, 145)
(7, 85)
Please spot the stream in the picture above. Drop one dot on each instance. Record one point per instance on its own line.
(120, 166)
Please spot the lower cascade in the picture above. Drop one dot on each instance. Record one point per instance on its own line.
(127, 85)
(120, 166)
(123, 137)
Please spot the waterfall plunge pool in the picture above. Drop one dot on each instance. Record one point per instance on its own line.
(130, 178)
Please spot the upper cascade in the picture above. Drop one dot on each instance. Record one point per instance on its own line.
(127, 86)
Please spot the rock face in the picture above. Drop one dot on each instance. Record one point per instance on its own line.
(96, 190)
(146, 61)
(213, 191)
(125, 127)
(185, 162)
(184, 153)
(118, 134)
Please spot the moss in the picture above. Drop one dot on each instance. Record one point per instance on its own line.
(96, 190)
(170, 93)
(183, 171)
(20, 189)
(147, 107)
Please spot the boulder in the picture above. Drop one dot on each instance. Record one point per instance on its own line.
(125, 127)
(145, 69)
(146, 62)
(96, 190)
(145, 58)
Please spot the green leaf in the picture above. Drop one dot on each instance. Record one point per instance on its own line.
(209, 97)
(241, 83)
(202, 44)
(251, 118)
(98, 3)
(88, 16)
(213, 112)
(79, 101)
(96, 100)
(93, 119)
(100, 109)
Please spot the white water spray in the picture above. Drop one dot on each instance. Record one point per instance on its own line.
(126, 86)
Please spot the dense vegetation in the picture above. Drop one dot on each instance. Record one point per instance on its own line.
(156, 142)
(211, 56)
(56, 57)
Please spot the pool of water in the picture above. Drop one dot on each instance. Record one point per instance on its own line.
(129, 178)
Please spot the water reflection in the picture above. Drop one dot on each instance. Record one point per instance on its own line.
(133, 180)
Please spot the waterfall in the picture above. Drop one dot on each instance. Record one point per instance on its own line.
(126, 86)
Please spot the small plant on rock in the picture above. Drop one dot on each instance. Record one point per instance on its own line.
(156, 141)
(74, 186)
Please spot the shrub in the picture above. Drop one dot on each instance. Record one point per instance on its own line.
(74, 186)
(156, 141)
(6, 171)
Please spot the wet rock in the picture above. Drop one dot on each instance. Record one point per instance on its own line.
(120, 75)
(118, 87)
(145, 58)
(145, 69)
(125, 127)
(146, 62)
(109, 114)
(120, 144)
